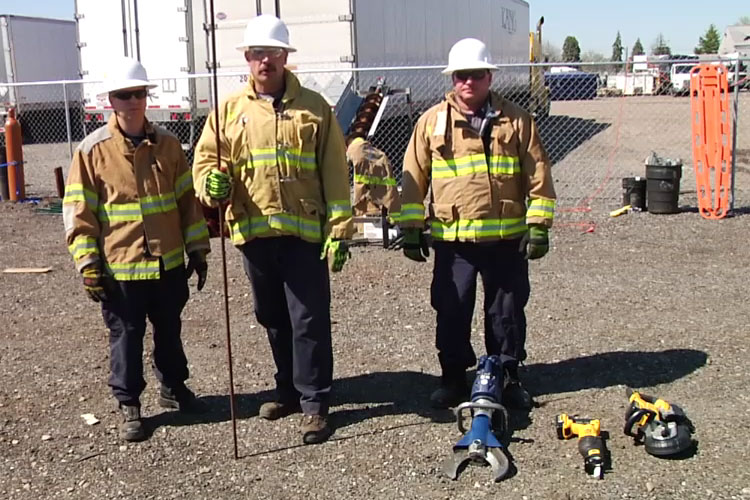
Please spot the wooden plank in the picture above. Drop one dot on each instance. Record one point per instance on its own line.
(27, 270)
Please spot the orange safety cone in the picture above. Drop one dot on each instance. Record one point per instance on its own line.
(712, 143)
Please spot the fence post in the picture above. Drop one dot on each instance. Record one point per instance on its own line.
(735, 113)
(67, 122)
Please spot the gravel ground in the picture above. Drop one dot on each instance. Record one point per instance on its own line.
(628, 301)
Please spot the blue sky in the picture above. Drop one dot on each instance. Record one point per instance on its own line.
(593, 22)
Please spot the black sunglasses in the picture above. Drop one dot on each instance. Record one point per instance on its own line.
(125, 95)
(474, 74)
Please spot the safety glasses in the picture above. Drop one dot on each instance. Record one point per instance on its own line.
(125, 95)
(263, 52)
(474, 74)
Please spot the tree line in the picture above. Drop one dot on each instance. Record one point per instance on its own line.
(708, 43)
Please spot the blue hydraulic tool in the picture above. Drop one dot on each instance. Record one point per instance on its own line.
(489, 419)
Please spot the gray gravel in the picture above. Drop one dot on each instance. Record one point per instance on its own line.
(653, 302)
(647, 301)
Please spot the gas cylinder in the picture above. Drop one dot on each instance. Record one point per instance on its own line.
(14, 151)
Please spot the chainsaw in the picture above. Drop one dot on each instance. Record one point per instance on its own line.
(663, 428)
(489, 419)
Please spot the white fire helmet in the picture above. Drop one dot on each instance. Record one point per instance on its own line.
(468, 53)
(124, 73)
(266, 31)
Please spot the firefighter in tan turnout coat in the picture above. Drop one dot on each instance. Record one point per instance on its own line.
(284, 175)
(491, 204)
(130, 216)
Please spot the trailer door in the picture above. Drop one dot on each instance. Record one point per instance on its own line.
(163, 40)
(101, 37)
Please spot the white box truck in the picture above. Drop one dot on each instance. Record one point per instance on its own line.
(34, 49)
(172, 39)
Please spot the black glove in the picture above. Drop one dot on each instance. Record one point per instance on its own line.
(415, 245)
(197, 263)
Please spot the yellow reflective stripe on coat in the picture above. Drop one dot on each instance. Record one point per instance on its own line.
(411, 212)
(174, 258)
(465, 229)
(83, 245)
(76, 192)
(148, 270)
(375, 181)
(339, 208)
(270, 157)
(134, 212)
(161, 203)
(505, 165)
(539, 207)
(120, 212)
(195, 232)
(244, 229)
(183, 184)
(475, 164)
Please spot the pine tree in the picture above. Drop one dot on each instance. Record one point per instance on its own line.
(709, 42)
(571, 51)
(660, 47)
(617, 49)
(638, 48)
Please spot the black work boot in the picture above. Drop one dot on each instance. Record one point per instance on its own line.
(514, 394)
(181, 399)
(452, 391)
(131, 428)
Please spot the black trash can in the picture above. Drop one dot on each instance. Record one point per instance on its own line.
(663, 187)
(634, 192)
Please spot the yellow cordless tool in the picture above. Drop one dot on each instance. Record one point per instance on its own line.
(590, 442)
(663, 428)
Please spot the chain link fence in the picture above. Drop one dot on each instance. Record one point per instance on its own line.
(600, 126)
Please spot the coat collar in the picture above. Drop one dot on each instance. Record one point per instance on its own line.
(496, 102)
(291, 87)
(122, 142)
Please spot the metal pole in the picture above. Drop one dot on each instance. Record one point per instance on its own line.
(67, 122)
(735, 114)
(221, 231)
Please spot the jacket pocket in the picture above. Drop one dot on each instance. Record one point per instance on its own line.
(508, 187)
(510, 209)
(306, 141)
(312, 207)
(444, 212)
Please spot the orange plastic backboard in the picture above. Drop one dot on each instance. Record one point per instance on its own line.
(712, 144)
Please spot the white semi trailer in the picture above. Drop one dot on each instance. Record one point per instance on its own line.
(34, 49)
(172, 39)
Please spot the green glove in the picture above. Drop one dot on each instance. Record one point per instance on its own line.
(93, 283)
(415, 245)
(338, 253)
(197, 264)
(218, 184)
(536, 242)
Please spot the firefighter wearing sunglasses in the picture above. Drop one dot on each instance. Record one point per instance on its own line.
(130, 218)
(491, 203)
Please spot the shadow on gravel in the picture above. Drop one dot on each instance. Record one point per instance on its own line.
(381, 393)
(631, 368)
(389, 393)
(562, 134)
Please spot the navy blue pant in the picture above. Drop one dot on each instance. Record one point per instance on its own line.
(505, 276)
(125, 313)
(293, 303)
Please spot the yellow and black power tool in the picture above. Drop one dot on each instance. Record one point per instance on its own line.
(663, 428)
(590, 442)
